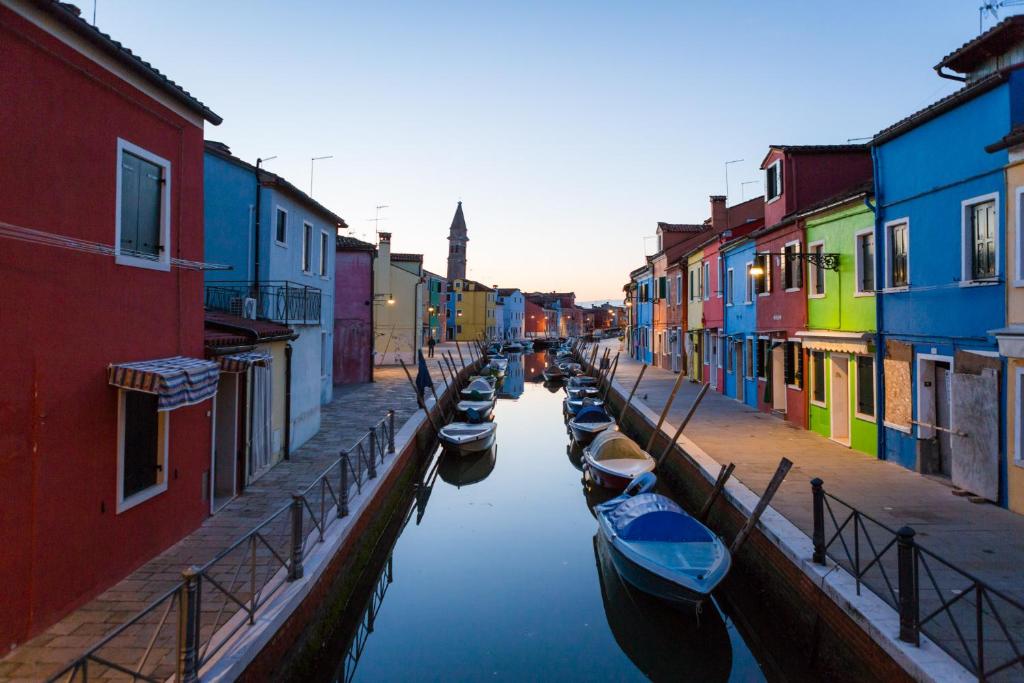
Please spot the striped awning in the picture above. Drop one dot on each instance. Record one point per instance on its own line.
(842, 342)
(177, 381)
(240, 362)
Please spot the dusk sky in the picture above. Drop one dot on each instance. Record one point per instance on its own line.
(567, 129)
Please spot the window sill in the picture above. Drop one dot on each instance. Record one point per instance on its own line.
(979, 283)
(865, 418)
(860, 295)
(818, 404)
(793, 289)
(283, 245)
(794, 387)
(136, 262)
(898, 428)
(816, 296)
(896, 290)
(140, 497)
(773, 199)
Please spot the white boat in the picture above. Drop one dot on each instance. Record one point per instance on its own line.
(582, 392)
(475, 411)
(660, 549)
(467, 437)
(583, 381)
(478, 390)
(570, 368)
(588, 423)
(614, 460)
(574, 405)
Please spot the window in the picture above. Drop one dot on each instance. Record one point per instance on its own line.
(143, 215)
(693, 288)
(818, 377)
(749, 357)
(865, 257)
(142, 449)
(1018, 437)
(815, 273)
(707, 348)
(706, 281)
(281, 233)
(662, 287)
(792, 273)
(981, 220)
(749, 284)
(865, 387)
(773, 181)
(898, 235)
(728, 287)
(307, 247)
(763, 358)
(721, 277)
(324, 251)
(729, 353)
(763, 282)
(679, 289)
(458, 329)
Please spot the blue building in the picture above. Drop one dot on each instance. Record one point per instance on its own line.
(513, 312)
(642, 299)
(740, 322)
(935, 261)
(279, 243)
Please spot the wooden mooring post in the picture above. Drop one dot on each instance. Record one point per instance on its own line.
(629, 400)
(769, 493)
(459, 349)
(682, 425)
(419, 399)
(716, 490)
(664, 411)
(611, 378)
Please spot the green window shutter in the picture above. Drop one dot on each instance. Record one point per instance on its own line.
(129, 202)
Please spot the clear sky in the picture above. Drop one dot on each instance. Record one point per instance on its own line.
(568, 129)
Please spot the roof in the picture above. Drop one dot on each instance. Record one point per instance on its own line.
(681, 227)
(470, 285)
(1014, 137)
(258, 330)
(637, 271)
(995, 41)
(458, 221)
(214, 338)
(861, 189)
(429, 273)
(268, 179)
(943, 105)
(505, 291)
(68, 16)
(346, 243)
(413, 258)
(814, 149)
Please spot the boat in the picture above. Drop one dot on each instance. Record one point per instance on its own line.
(583, 381)
(496, 369)
(553, 373)
(513, 347)
(614, 460)
(467, 437)
(527, 345)
(588, 423)
(463, 470)
(475, 411)
(554, 386)
(570, 368)
(478, 390)
(582, 392)
(571, 406)
(664, 643)
(660, 549)
(490, 379)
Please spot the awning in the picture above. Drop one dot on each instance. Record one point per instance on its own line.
(830, 340)
(240, 362)
(177, 381)
(1011, 340)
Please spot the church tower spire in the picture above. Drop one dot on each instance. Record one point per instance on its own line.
(457, 246)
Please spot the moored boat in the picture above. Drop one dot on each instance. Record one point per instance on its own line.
(583, 381)
(582, 392)
(552, 373)
(571, 406)
(614, 460)
(478, 390)
(588, 423)
(463, 470)
(467, 437)
(660, 549)
(474, 411)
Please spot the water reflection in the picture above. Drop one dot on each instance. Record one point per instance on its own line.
(663, 643)
(462, 470)
(513, 384)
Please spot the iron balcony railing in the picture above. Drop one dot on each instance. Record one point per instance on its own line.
(183, 629)
(976, 624)
(280, 301)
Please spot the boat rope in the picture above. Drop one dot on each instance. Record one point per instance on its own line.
(48, 239)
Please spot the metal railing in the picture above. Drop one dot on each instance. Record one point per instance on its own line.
(354, 652)
(976, 624)
(186, 626)
(277, 300)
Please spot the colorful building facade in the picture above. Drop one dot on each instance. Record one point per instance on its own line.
(353, 310)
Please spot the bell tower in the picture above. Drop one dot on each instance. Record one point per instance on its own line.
(457, 246)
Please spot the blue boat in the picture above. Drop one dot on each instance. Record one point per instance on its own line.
(588, 422)
(658, 548)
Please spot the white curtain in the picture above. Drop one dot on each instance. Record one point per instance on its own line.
(260, 412)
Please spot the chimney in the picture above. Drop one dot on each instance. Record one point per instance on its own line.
(718, 213)
(382, 267)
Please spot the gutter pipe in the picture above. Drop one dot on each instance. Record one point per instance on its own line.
(879, 305)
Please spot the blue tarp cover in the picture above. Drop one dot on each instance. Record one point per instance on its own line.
(652, 517)
(592, 414)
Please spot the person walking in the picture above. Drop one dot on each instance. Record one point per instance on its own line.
(431, 343)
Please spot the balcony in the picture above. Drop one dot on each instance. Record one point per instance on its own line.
(280, 301)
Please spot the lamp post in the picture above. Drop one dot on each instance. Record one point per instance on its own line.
(311, 160)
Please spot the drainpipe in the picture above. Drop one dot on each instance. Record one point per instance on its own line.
(879, 342)
(373, 334)
(287, 401)
(256, 239)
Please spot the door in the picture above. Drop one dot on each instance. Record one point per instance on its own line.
(225, 441)
(779, 377)
(839, 408)
(944, 450)
(739, 372)
(260, 428)
(713, 367)
(975, 439)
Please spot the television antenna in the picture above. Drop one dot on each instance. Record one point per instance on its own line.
(377, 219)
(992, 7)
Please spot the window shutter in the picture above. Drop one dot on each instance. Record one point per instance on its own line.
(129, 202)
(150, 191)
(788, 370)
(798, 271)
(799, 351)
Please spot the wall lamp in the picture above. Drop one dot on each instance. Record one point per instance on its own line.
(824, 261)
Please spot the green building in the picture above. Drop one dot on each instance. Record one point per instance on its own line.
(840, 335)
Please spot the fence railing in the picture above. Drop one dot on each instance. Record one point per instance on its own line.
(354, 652)
(976, 624)
(186, 626)
(277, 300)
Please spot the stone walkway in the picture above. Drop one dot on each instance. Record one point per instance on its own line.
(982, 539)
(354, 409)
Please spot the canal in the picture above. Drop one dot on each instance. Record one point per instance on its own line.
(496, 574)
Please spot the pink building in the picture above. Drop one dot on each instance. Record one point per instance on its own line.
(353, 310)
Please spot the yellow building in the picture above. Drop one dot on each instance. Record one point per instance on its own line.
(397, 304)
(471, 311)
(697, 291)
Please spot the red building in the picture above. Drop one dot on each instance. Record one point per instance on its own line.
(796, 177)
(536, 321)
(353, 310)
(727, 223)
(105, 411)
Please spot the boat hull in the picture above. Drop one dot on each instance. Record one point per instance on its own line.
(652, 584)
(584, 434)
(608, 480)
(469, 447)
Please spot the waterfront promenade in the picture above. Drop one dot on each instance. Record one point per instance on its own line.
(983, 539)
(353, 410)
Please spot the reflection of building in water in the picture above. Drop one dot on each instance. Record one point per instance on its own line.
(533, 366)
(512, 385)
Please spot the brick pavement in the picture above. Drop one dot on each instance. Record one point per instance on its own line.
(983, 539)
(353, 410)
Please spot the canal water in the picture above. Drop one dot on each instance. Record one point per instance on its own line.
(498, 574)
